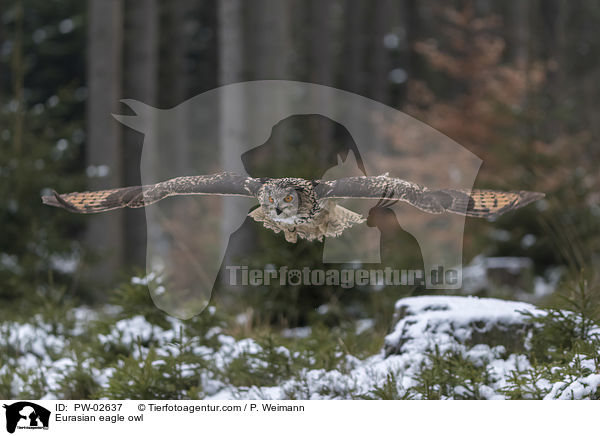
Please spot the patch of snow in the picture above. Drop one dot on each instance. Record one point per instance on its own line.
(298, 332)
(150, 277)
(576, 389)
(66, 264)
(528, 240)
(543, 286)
(446, 319)
(362, 325)
(10, 262)
(130, 331)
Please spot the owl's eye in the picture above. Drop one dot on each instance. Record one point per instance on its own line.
(288, 199)
(271, 200)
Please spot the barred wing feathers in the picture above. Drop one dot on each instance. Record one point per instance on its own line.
(140, 196)
(480, 203)
(485, 203)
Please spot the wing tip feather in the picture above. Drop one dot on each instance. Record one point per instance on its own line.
(527, 197)
(57, 201)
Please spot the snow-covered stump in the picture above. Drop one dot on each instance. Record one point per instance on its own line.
(445, 321)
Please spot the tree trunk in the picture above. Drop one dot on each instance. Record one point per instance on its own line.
(105, 231)
(270, 48)
(521, 31)
(320, 57)
(174, 43)
(174, 76)
(353, 74)
(140, 83)
(379, 58)
(233, 111)
(270, 39)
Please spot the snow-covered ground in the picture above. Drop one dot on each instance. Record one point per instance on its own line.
(491, 334)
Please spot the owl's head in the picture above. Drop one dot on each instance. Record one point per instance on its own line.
(281, 201)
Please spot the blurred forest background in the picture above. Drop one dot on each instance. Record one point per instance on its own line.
(515, 82)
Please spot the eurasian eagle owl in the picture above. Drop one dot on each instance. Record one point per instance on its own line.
(302, 208)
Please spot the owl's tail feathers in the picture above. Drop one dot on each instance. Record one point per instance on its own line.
(98, 201)
(479, 203)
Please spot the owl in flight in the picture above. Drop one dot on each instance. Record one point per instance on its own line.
(302, 208)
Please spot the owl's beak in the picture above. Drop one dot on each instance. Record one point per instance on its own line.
(278, 211)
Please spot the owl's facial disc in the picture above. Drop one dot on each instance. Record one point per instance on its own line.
(281, 204)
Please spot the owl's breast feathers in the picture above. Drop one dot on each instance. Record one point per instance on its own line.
(328, 220)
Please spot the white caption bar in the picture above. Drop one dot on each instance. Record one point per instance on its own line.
(296, 417)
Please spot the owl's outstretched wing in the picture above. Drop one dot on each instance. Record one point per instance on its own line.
(139, 196)
(484, 203)
(481, 203)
